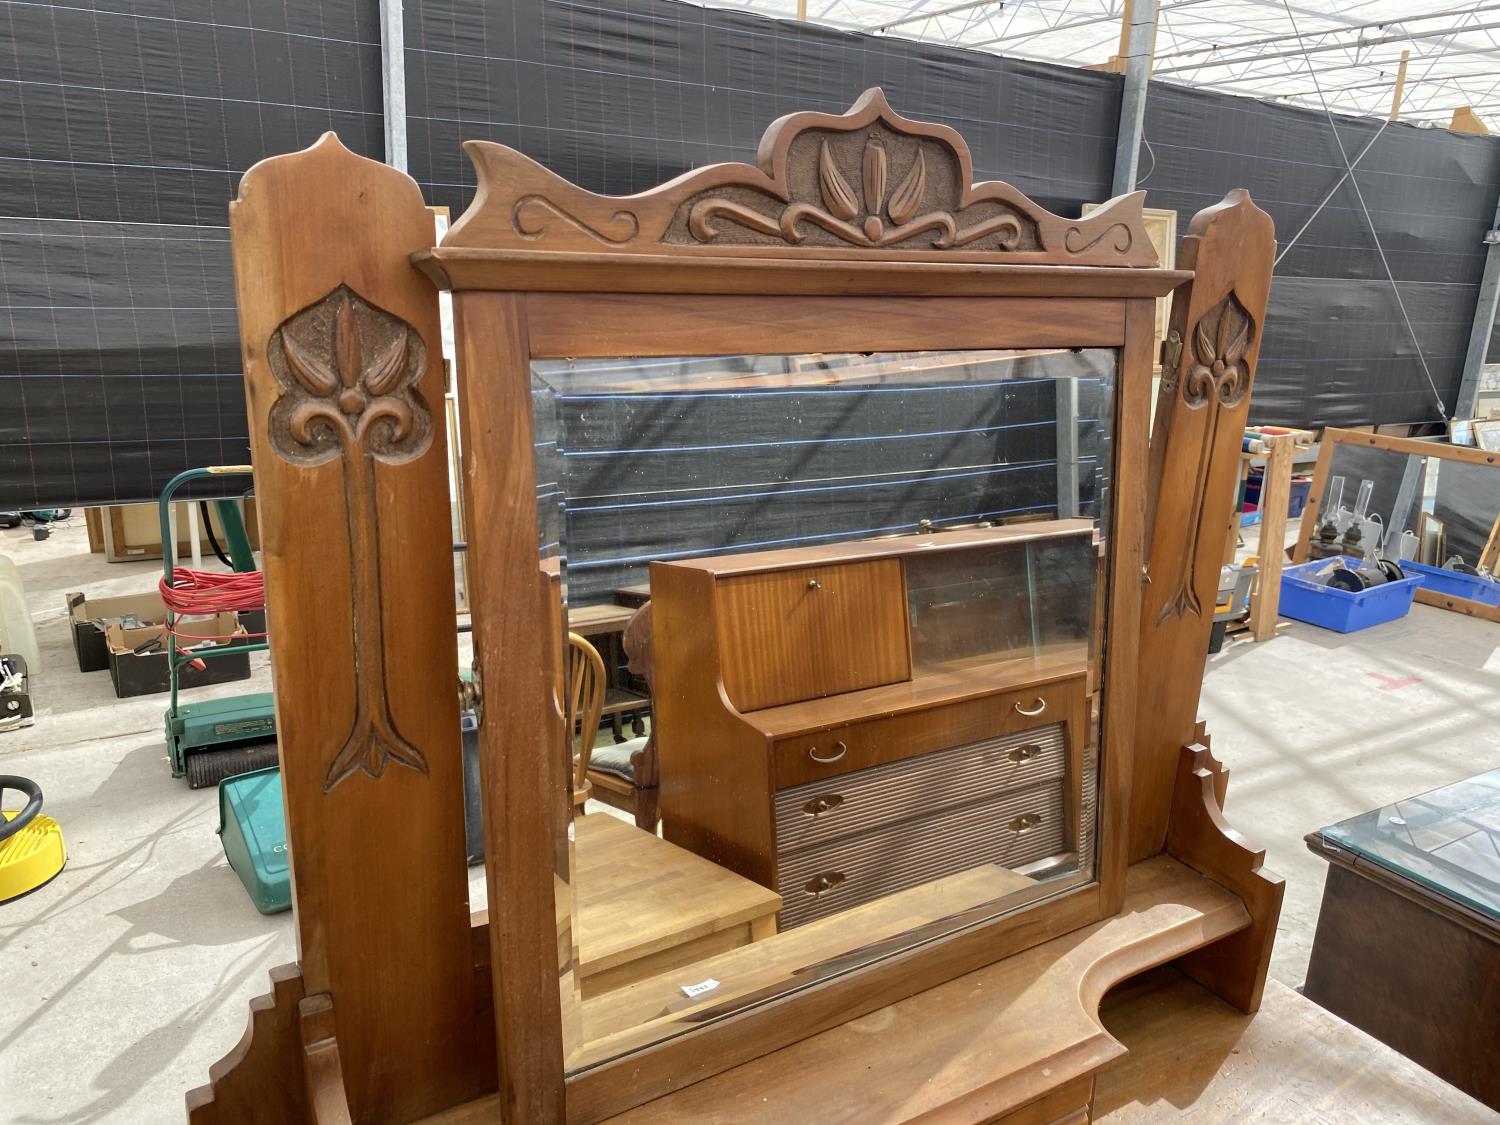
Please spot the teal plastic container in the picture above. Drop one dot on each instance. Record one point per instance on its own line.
(252, 828)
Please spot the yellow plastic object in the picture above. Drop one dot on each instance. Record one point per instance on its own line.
(32, 857)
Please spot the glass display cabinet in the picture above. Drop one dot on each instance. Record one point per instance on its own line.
(831, 475)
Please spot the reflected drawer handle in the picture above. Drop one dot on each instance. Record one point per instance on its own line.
(1024, 753)
(1025, 823)
(822, 804)
(1041, 705)
(824, 882)
(840, 749)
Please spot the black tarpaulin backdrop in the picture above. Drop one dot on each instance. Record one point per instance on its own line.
(124, 136)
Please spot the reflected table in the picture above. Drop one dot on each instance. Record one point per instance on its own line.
(1408, 939)
(646, 906)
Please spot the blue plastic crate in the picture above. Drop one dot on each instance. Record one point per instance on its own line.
(1340, 610)
(1452, 584)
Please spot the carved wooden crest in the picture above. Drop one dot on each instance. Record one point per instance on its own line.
(348, 373)
(868, 181)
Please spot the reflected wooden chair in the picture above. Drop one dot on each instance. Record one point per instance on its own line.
(624, 776)
(586, 683)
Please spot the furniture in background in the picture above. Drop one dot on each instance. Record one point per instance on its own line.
(586, 681)
(1408, 939)
(859, 232)
(846, 722)
(1432, 507)
(646, 907)
(624, 776)
(603, 625)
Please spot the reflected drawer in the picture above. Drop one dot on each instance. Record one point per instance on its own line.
(817, 812)
(1010, 829)
(840, 750)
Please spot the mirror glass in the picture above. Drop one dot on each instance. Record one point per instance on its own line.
(838, 620)
(1429, 514)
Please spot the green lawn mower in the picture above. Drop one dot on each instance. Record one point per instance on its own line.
(216, 738)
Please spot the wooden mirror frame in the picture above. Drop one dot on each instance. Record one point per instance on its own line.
(1467, 455)
(855, 232)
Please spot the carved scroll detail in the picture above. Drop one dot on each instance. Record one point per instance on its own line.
(625, 224)
(349, 373)
(867, 180)
(1218, 376)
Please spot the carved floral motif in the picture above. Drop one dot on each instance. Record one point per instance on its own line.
(862, 215)
(349, 373)
(1218, 377)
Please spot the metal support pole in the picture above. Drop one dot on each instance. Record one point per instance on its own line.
(1133, 103)
(1483, 324)
(393, 81)
(1067, 448)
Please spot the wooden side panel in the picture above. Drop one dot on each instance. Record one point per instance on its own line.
(811, 632)
(714, 771)
(344, 382)
(1205, 397)
(517, 647)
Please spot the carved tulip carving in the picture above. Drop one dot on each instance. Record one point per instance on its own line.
(1220, 341)
(1217, 378)
(865, 214)
(349, 374)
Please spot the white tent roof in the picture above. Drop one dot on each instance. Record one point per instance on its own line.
(1284, 50)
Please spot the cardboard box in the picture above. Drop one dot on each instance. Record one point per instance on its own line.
(90, 617)
(147, 672)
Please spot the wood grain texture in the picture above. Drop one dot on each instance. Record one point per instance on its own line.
(811, 632)
(533, 271)
(1121, 596)
(866, 182)
(322, 1073)
(1195, 1060)
(645, 906)
(1194, 462)
(1198, 835)
(1275, 496)
(340, 338)
(992, 1040)
(260, 1079)
(1411, 977)
(650, 324)
(522, 740)
(977, 707)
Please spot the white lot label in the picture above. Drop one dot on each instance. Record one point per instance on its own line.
(701, 987)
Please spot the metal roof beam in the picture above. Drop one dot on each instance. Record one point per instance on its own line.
(1400, 21)
(1323, 47)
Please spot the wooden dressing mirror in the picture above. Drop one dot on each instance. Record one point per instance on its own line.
(926, 624)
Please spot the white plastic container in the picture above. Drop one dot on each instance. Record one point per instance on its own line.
(17, 635)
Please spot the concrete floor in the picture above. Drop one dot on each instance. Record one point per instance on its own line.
(130, 974)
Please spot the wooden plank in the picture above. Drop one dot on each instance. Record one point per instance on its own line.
(650, 324)
(523, 746)
(341, 350)
(1275, 497)
(830, 276)
(1315, 491)
(1195, 445)
(1194, 1060)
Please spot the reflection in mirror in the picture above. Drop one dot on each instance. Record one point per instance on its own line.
(1436, 517)
(847, 616)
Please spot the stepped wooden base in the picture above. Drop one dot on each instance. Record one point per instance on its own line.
(1018, 1040)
